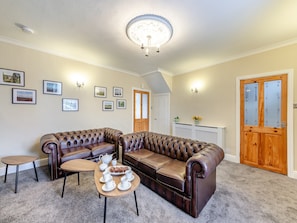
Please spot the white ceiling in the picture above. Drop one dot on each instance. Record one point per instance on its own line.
(206, 32)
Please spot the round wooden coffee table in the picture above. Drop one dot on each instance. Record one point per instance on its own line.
(76, 166)
(16, 161)
(116, 192)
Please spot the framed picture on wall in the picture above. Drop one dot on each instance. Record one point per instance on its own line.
(69, 104)
(23, 96)
(12, 77)
(107, 105)
(100, 92)
(121, 103)
(52, 87)
(117, 91)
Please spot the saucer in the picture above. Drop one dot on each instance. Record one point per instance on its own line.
(122, 188)
(130, 179)
(108, 189)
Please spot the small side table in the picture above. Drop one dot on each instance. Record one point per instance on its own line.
(16, 161)
(76, 166)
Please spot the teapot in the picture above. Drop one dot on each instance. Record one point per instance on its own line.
(105, 158)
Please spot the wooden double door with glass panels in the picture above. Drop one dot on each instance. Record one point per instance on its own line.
(141, 111)
(263, 123)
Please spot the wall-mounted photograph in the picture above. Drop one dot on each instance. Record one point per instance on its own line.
(69, 104)
(117, 91)
(12, 77)
(121, 103)
(100, 92)
(52, 87)
(23, 96)
(107, 105)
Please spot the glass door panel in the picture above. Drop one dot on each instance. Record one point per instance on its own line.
(272, 103)
(251, 104)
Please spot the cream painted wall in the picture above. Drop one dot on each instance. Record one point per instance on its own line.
(22, 125)
(216, 100)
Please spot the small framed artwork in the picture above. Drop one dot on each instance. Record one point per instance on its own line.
(52, 87)
(12, 77)
(23, 96)
(107, 105)
(121, 103)
(100, 92)
(69, 104)
(117, 92)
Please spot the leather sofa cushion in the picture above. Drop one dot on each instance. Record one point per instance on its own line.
(101, 148)
(173, 174)
(134, 156)
(151, 164)
(78, 153)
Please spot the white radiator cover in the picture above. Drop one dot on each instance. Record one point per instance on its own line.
(210, 134)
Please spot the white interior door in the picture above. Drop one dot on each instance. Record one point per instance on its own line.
(161, 113)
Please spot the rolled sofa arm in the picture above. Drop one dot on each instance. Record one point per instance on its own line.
(112, 135)
(48, 143)
(208, 159)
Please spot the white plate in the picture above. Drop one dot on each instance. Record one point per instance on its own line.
(104, 188)
(130, 179)
(122, 188)
(117, 173)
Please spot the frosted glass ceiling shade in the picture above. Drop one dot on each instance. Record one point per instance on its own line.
(149, 31)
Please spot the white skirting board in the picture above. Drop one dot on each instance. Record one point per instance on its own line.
(26, 166)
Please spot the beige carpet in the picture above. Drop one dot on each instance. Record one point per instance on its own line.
(244, 194)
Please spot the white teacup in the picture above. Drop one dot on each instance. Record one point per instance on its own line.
(124, 182)
(114, 162)
(128, 174)
(109, 183)
(103, 166)
(107, 176)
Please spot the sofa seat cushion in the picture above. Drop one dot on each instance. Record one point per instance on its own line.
(78, 153)
(151, 164)
(101, 148)
(134, 156)
(173, 174)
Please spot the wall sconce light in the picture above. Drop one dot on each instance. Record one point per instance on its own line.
(80, 84)
(195, 90)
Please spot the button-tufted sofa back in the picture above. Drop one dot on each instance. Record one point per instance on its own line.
(80, 138)
(175, 147)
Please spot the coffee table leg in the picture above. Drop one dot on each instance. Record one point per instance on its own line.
(136, 203)
(77, 178)
(35, 171)
(5, 173)
(105, 201)
(16, 178)
(65, 176)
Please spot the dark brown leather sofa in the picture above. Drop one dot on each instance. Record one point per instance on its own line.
(81, 144)
(182, 171)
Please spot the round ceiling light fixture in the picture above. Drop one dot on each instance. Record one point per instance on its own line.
(24, 28)
(149, 31)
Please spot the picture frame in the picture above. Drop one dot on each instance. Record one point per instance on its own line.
(23, 96)
(12, 77)
(70, 104)
(121, 103)
(107, 105)
(52, 87)
(117, 91)
(100, 92)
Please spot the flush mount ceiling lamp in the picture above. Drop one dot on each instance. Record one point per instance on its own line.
(24, 28)
(149, 32)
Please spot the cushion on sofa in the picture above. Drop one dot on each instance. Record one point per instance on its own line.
(101, 148)
(150, 164)
(78, 153)
(173, 174)
(134, 156)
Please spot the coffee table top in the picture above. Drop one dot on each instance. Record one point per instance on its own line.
(18, 160)
(116, 192)
(79, 165)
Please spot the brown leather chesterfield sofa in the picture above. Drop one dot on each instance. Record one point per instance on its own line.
(81, 144)
(182, 171)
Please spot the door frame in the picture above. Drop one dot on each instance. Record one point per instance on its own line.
(290, 145)
(150, 107)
